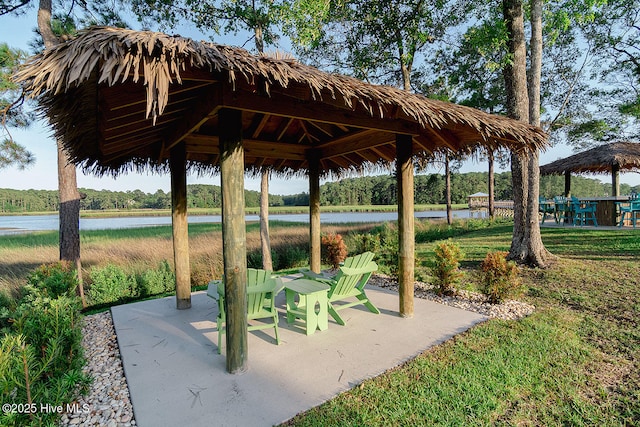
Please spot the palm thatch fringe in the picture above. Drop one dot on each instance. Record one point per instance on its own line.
(601, 159)
(121, 54)
(99, 56)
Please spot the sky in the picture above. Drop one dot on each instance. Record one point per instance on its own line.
(42, 175)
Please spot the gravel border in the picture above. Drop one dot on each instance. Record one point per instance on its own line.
(467, 300)
(108, 403)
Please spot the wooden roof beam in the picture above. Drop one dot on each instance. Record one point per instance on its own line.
(127, 128)
(322, 127)
(425, 143)
(311, 137)
(442, 138)
(284, 126)
(385, 153)
(317, 111)
(355, 142)
(202, 111)
(128, 94)
(258, 124)
(271, 150)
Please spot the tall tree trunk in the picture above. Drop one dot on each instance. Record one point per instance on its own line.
(265, 241)
(447, 188)
(536, 253)
(67, 184)
(515, 76)
(523, 105)
(406, 76)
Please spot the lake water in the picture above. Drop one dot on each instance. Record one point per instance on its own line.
(28, 223)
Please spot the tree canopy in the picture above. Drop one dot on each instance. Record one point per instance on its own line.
(12, 115)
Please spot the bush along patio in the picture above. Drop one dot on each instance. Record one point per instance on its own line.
(41, 355)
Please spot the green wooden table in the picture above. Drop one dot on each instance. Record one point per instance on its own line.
(307, 300)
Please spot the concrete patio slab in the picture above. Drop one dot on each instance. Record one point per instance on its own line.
(177, 378)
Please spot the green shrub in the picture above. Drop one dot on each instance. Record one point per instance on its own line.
(41, 358)
(47, 322)
(7, 306)
(367, 242)
(446, 273)
(382, 241)
(111, 284)
(51, 280)
(290, 256)
(254, 259)
(158, 281)
(500, 277)
(335, 250)
(388, 256)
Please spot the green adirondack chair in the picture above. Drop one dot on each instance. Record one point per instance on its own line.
(349, 283)
(262, 289)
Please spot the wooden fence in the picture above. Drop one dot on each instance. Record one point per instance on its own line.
(502, 208)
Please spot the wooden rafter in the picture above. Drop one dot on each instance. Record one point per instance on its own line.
(260, 121)
(274, 150)
(284, 126)
(322, 127)
(280, 106)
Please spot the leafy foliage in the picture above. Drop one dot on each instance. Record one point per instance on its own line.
(111, 284)
(335, 250)
(52, 280)
(41, 354)
(382, 241)
(11, 112)
(219, 17)
(367, 190)
(446, 273)
(157, 281)
(375, 41)
(500, 277)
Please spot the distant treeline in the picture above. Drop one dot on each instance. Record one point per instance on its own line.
(368, 190)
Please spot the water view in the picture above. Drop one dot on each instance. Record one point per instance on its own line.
(29, 223)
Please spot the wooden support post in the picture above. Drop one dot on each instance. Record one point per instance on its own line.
(178, 166)
(615, 180)
(615, 191)
(567, 184)
(234, 251)
(314, 215)
(406, 236)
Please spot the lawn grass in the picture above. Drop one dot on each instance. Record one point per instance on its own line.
(575, 361)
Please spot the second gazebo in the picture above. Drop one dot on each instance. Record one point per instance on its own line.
(609, 158)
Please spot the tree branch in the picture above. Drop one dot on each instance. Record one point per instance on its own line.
(7, 8)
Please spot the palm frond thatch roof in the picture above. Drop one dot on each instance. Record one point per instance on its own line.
(122, 99)
(601, 159)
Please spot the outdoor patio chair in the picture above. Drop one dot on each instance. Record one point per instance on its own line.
(262, 288)
(561, 209)
(349, 262)
(583, 212)
(349, 283)
(546, 207)
(632, 208)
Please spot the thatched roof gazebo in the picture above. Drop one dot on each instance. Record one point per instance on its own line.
(126, 100)
(609, 158)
